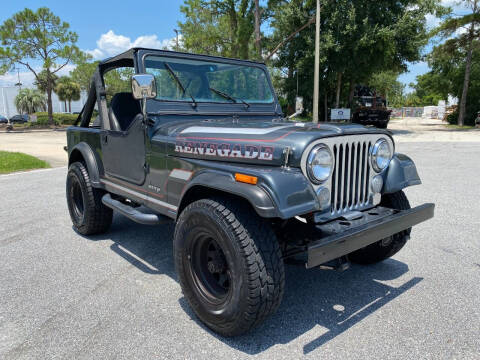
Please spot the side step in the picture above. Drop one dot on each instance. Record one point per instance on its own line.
(132, 213)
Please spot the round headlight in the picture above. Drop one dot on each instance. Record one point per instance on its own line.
(381, 155)
(319, 164)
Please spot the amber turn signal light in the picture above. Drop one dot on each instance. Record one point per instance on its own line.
(247, 179)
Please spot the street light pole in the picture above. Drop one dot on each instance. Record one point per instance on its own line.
(316, 74)
(19, 84)
(176, 32)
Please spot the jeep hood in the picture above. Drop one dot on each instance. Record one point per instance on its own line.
(250, 142)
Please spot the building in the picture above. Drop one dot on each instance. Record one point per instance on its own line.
(8, 109)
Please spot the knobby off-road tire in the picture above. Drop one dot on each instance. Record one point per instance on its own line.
(89, 215)
(387, 247)
(229, 265)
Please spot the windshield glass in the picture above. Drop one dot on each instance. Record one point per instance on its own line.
(208, 81)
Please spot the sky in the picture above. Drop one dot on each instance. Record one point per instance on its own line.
(106, 28)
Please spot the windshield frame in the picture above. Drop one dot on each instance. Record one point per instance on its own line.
(169, 104)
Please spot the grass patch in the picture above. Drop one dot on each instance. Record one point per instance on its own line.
(15, 161)
(458, 127)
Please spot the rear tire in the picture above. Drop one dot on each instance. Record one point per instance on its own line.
(387, 247)
(229, 265)
(89, 215)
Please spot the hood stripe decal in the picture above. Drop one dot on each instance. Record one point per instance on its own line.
(186, 138)
(225, 130)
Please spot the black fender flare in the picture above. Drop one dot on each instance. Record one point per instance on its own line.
(401, 173)
(94, 165)
(224, 181)
(278, 193)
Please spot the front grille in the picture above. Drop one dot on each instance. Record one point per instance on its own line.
(351, 176)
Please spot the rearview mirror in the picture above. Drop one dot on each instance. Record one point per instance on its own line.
(143, 86)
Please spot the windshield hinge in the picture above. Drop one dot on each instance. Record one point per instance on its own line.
(286, 151)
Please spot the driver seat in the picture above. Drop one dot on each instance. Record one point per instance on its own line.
(123, 110)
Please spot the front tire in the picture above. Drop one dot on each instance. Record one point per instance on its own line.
(229, 265)
(89, 215)
(387, 247)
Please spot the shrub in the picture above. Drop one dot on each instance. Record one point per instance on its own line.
(452, 118)
(469, 117)
(58, 118)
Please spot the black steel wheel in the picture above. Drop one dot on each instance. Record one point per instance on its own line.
(89, 215)
(209, 268)
(229, 265)
(389, 246)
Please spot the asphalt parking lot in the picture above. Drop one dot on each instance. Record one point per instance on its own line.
(116, 295)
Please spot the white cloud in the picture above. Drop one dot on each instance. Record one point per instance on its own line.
(10, 79)
(27, 78)
(110, 44)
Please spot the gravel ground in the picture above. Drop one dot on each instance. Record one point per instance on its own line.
(116, 295)
(422, 129)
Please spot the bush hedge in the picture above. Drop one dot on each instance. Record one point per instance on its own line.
(469, 120)
(58, 118)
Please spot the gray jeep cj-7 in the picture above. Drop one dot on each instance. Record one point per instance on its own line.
(202, 141)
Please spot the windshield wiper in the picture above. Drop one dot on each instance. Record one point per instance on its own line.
(229, 97)
(169, 69)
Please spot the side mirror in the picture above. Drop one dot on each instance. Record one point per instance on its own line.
(143, 86)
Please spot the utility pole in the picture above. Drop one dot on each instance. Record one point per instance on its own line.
(316, 74)
(258, 39)
(176, 41)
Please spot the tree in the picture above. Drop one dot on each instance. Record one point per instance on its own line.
(29, 101)
(431, 87)
(118, 80)
(448, 62)
(223, 27)
(43, 80)
(451, 26)
(83, 74)
(386, 84)
(30, 36)
(359, 38)
(67, 91)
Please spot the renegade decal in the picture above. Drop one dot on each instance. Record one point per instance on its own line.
(238, 151)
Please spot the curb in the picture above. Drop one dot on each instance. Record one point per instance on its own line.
(31, 131)
(34, 171)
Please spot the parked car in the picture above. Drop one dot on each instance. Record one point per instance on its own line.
(201, 141)
(20, 119)
(3, 120)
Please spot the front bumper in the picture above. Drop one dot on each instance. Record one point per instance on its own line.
(341, 237)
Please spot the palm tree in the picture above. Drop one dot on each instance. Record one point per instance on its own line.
(30, 101)
(67, 90)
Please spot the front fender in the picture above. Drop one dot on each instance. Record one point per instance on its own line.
(223, 181)
(401, 173)
(280, 192)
